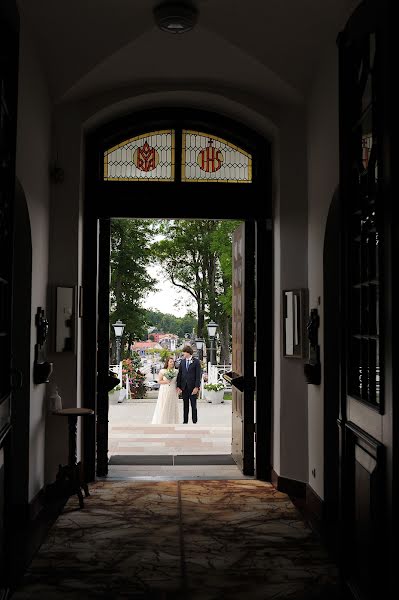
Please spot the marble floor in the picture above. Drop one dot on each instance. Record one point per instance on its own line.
(200, 540)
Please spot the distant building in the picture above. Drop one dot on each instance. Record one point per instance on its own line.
(168, 340)
(141, 347)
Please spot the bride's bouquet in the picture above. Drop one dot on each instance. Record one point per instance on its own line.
(170, 374)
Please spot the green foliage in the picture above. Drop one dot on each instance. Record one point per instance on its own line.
(135, 360)
(195, 255)
(214, 387)
(167, 323)
(130, 282)
(164, 354)
(221, 244)
(197, 258)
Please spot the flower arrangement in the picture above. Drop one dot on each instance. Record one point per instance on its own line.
(170, 374)
(214, 387)
(137, 385)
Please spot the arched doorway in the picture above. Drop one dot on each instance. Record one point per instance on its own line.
(177, 191)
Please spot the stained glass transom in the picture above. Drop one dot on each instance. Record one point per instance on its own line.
(209, 158)
(147, 157)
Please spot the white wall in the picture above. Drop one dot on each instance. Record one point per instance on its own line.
(32, 162)
(323, 176)
(293, 275)
(64, 270)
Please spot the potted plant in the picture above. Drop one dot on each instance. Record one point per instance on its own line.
(214, 392)
(114, 393)
(118, 393)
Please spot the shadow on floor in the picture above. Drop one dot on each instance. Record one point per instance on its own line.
(181, 539)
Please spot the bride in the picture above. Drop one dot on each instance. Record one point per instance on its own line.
(166, 410)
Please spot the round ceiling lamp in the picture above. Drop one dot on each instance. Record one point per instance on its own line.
(175, 17)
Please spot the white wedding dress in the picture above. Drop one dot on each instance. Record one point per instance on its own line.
(166, 409)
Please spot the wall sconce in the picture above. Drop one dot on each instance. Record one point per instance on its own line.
(312, 368)
(41, 368)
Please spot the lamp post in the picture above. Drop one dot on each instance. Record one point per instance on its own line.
(199, 342)
(211, 333)
(118, 329)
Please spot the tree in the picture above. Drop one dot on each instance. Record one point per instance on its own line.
(220, 299)
(130, 282)
(186, 256)
(167, 323)
(196, 256)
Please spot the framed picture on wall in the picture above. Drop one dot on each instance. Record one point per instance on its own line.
(294, 319)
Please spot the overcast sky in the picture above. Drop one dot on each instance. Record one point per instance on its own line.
(169, 299)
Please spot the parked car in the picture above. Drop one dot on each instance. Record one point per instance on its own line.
(152, 385)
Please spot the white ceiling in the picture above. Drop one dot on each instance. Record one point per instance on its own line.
(271, 46)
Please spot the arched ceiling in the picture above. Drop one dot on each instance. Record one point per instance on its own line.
(271, 46)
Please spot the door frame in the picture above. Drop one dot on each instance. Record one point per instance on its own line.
(118, 201)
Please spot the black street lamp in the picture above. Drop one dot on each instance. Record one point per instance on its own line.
(118, 329)
(211, 334)
(200, 343)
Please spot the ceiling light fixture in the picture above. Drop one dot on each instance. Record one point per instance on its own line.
(175, 17)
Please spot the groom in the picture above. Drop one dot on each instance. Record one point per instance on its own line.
(188, 382)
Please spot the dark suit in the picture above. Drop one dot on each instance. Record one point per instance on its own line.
(187, 380)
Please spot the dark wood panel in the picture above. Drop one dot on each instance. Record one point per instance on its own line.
(292, 487)
(103, 347)
(367, 488)
(365, 525)
(264, 353)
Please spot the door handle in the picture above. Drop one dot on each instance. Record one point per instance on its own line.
(235, 379)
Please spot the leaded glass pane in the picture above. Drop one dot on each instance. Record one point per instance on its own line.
(364, 214)
(210, 158)
(147, 157)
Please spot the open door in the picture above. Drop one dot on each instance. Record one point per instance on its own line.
(243, 333)
(9, 40)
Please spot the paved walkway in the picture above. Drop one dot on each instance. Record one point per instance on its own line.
(131, 433)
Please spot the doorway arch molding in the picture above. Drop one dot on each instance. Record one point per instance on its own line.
(135, 199)
(259, 114)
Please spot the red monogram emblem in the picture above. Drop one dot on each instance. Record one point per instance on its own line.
(146, 158)
(209, 159)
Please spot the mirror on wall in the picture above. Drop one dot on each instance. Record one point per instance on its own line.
(64, 339)
(294, 311)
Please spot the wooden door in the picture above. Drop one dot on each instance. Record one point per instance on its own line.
(367, 204)
(243, 333)
(103, 346)
(8, 120)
